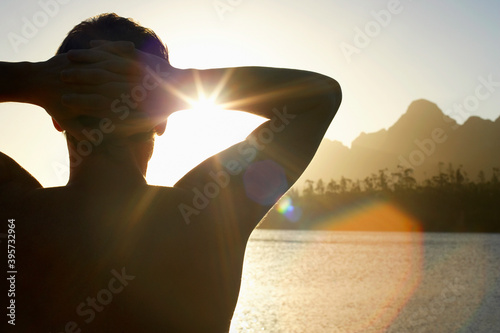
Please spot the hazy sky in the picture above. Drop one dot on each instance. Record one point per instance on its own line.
(385, 54)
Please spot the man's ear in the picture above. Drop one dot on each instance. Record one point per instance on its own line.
(56, 125)
(160, 129)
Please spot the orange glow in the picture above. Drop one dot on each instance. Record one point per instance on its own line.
(375, 216)
(383, 216)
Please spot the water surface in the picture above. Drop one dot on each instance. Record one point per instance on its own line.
(320, 281)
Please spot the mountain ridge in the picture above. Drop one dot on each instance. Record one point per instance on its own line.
(423, 138)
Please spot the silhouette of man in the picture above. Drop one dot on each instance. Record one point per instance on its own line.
(110, 253)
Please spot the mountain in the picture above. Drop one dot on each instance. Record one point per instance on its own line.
(423, 138)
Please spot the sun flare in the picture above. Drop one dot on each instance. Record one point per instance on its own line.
(204, 104)
(194, 135)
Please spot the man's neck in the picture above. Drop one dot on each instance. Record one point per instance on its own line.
(100, 172)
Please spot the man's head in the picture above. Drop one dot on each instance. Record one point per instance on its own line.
(111, 27)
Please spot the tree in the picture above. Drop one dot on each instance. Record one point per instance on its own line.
(404, 178)
(320, 187)
(332, 186)
(344, 184)
(356, 187)
(459, 177)
(382, 182)
(452, 176)
(369, 184)
(309, 187)
(495, 176)
(442, 179)
(481, 178)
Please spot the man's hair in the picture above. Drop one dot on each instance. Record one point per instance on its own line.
(111, 27)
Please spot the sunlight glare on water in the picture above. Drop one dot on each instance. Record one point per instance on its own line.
(320, 281)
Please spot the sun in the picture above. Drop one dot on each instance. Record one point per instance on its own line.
(204, 104)
(194, 135)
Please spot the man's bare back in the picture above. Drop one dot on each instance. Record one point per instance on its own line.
(109, 253)
(173, 277)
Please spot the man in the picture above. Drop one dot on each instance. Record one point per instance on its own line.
(109, 253)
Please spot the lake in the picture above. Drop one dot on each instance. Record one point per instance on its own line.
(322, 281)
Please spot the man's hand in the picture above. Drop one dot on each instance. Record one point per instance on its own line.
(116, 81)
(45, 88)
(40, 84)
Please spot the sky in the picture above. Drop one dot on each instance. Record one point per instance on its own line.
(385, 54)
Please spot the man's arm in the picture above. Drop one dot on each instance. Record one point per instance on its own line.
(14, 87)
(253, 174)
(13, 82)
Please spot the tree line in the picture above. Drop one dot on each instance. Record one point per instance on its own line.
(448, 201)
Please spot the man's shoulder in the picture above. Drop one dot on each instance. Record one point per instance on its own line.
(15, 181)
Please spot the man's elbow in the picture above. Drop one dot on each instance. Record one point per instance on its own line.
(333, 96)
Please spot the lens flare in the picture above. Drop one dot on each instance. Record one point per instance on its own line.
(204, 104)
(286, 208)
